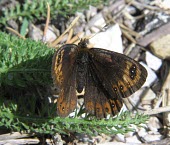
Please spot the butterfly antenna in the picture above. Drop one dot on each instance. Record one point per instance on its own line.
(103, 29)
(78, 37)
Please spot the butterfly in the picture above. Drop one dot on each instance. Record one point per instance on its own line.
(105, 76)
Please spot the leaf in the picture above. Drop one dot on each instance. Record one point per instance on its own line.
(24, 27)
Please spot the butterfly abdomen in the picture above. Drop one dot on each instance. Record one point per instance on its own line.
(81, 70)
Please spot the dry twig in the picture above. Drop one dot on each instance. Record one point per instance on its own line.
(15, 32)
(66, 31)
(157, 110)
(47, 22)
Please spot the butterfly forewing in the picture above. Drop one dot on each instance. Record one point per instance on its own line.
(120, 75)
(64, 78)
(63, 63)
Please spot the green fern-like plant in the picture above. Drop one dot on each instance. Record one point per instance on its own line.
(24, 63)
(38, 9)
(121, 124)
(25, 74)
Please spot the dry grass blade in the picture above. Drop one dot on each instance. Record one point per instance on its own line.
(133, 33)
(47, 21)
(15, 32)
(76, 38)
(129, 37)
(120, 12)
(158, 110)
(70, 34)
(66, 31)
(20, 141)
(138, 4)
(153, 36)
(17, 138)
(14, 135)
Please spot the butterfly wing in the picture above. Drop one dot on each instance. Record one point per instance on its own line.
(118, 76)
(96, 98)
(117, 72)
(64, 78)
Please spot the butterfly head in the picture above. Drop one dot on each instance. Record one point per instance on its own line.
(83, 43)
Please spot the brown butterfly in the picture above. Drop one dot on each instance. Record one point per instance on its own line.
(106, 77)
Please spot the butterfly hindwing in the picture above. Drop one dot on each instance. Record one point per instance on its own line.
(66, 102)
(96, 97)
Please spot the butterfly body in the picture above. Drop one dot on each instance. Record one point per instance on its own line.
(106, 77)
(81, 69)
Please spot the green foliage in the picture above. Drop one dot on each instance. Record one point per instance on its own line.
(24, 27)
(120, 124)
(38, 9)
(24, 63)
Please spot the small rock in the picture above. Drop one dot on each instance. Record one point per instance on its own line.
(91, 12)
(136, 97)
(153, 61)
(109, 39)
(161, 47)
(165, 4)
(13, 24)
(102, 138)
(150, 138)
(132, 140)
(154, 124)
(83, 137)
(149, 95)
(50, 35)
(130, 133)
(82, 18)
(151, 76)
(35, 33)
(120, 138)
(142, 132)
(96, 22)
(131, 10)
(147, 107)
(57, 139)
(112, 143)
